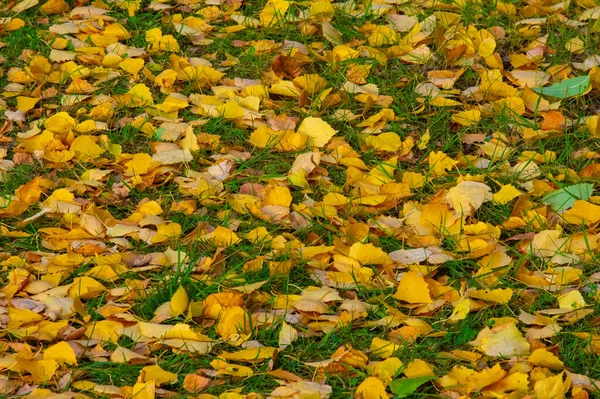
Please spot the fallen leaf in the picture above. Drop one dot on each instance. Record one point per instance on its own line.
(413, 289)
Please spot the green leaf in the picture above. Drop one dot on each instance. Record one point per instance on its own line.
(404, 387)
(565, 89)
(564, 198)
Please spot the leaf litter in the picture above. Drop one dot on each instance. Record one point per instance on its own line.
(235, 199)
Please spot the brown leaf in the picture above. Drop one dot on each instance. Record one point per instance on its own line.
(286, 67)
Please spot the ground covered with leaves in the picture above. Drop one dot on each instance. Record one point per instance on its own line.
(275, 199)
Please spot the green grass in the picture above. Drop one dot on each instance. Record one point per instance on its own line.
(110, 373)
(26, 37)
(393, 77)
(17, 176)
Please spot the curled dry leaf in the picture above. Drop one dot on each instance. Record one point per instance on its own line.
(185, 183)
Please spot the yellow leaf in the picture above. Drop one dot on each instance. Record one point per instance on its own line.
(224, 368)
(132, 65)
(250, 355)
(263, 137)
(345, 53)
(26, 103)
(179, 302)
(274, 12)
(15, 23)
(382, 348)
(166, 232)
(512, 382)
(514, 104)
(461, 309)
(224, 237)
(386, 370)
(287, 335)
(317, 130)
(418, 368)
(485, 377)
(440, 101)
(383, 36)
(285, 88)
(166, 78)
(111, 60)
(368, 254)
(311, 83)
(83, 385)
(413, 289)
(86, 148)
(180, 330)
(233, 321)
(38, 142)
(506, 8)
(59, 156)
(487, 47)
(104, 330)
(158, 42)
(41, 370)
(424, 140)
(60, 122)
(493, 86)
(498, 295)
(30, 192)
(153, 35)
(140, 95)
(467, 118)
(534, 102)
(140, 164)
(389, 142)
(144, 390)
(254, 265)
(550, 388)
(55, 7)
(230, 110)
(150, 208)
(156, 374)
(583, 212)
(505, 340)
(371, 388)
(468, 196)
(413, 180)
(200, 74)
(571, 300)
(321, 9)
(62, 194)
(62, 352)
(87, 126)
(439, 163)
(117, 30)
(543, 358)
(190, 141)
(214, 304)
(85, 288)
(284, 140)
(258, 235)
(296, 389)
(575, 45)
(507, 193)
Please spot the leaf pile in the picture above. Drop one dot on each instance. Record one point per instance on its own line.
(249, 199)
